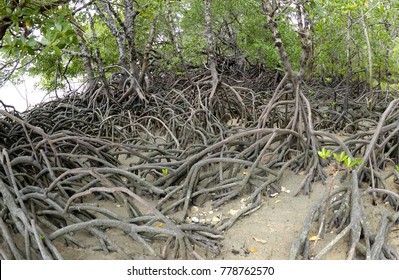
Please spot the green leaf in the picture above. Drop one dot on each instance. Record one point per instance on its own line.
(58, 26)
(324, 153)
(349, 162)
(57, 50)
(44, 41)
(31, 51)
(32, 42)
(341, 157)
(165, 171)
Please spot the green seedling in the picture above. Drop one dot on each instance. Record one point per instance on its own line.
(324, 153)
(165, 171)
(350, 163)
(341, 157)
(344, 158)
(397, 167)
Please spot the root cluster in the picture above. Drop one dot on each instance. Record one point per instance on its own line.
(178, 148)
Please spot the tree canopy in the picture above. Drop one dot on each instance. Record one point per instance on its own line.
(63, 40)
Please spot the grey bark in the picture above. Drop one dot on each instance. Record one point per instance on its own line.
(210, 48)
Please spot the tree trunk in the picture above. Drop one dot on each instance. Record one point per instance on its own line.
(87, 65)
(111, 19)
(370, 61)
(130, 31)
(210, 49)
(348, 62)
(146, 55)
(269, 11)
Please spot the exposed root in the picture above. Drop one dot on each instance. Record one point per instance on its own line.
(58, 160)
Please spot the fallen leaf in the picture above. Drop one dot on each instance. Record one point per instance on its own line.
(215, 220)
(194, 210)
(160, 225)
(252, 250)
(278, 201)
(260, 240)
(313, 238)
(244, 173)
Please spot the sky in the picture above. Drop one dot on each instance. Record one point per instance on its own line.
(22, 96)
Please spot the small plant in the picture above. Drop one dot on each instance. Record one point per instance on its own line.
(350, 163)
(324, 153)
(165, 171)
(344, 158)
(341, 157)
(397, 167)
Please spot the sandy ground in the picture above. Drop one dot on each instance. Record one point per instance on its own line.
(266, 234)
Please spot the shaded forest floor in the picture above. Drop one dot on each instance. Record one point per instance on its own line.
(191, 169)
